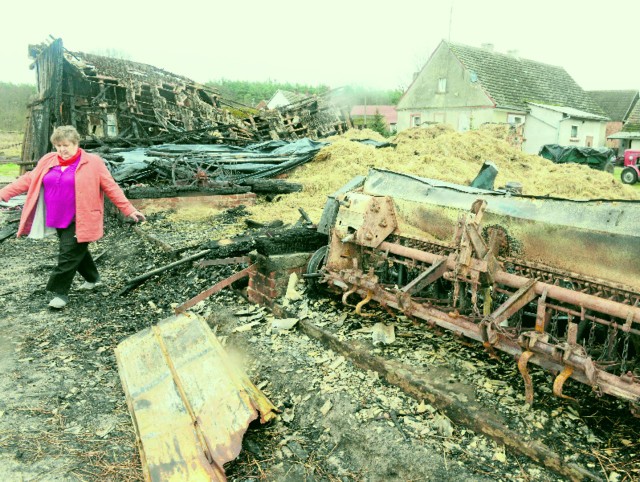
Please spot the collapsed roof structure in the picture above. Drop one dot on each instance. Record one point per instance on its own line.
(121, 103)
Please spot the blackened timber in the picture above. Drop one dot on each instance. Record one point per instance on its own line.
(133, 282)
(271, 186)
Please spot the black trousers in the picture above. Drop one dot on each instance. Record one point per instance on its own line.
(72, 257)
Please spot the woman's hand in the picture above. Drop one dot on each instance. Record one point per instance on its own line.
(137, 216)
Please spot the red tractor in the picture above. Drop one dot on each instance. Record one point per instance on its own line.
(631, 171)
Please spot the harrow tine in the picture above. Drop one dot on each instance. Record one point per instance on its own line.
(559, 382)
(524, 371)
(364, 301)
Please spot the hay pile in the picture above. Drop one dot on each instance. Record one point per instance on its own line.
(438, 152)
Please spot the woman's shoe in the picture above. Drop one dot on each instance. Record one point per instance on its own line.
(88, 286)
(58, 302)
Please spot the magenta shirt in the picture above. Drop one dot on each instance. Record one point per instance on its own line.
(60, 195)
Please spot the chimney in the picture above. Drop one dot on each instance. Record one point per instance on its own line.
(513, 53)
(487, 46)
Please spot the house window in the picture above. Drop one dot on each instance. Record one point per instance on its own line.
(415, 120)
(442, 85)
(515, 119)
(574, 131)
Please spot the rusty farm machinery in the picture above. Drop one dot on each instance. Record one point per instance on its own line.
(552, 282)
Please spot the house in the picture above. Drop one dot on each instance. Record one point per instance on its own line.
(571, 127)
(283, 98)
(363, 114)
(629, 136)
(617, 105)
(466, 87)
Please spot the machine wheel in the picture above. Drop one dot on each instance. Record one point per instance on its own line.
(316, 262)
(629, 175)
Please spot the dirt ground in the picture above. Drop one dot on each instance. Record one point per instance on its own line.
(63, 414)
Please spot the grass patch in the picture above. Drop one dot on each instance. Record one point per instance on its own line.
(10, 144)
(616, 175)
(9, 170)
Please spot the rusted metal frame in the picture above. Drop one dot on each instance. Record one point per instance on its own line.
(515, 303)
(477, 242)
(490, 324)
(543, 316)
(564, 295)
(544, 352)
(572, 312)
(574, 277)
(214, 289)
(426, 277)
(224, 261)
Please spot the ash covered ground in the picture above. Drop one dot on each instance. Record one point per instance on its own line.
(63, 413)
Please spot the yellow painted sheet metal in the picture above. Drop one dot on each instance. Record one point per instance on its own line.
(190, 404)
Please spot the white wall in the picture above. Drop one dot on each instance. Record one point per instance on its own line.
(278, 100)
(546, 126)
(537, 133)
(586, 128)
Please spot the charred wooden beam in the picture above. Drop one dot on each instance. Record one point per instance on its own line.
(436, 388)
(271, 186)
(138, 280)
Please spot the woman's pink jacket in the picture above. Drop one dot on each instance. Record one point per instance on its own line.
(92, 180)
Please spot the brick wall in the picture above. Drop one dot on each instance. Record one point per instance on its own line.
(268, 280)
(222, 201)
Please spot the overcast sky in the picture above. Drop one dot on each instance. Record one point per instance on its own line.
(330, 42)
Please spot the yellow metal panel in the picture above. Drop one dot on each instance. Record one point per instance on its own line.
(189, 403)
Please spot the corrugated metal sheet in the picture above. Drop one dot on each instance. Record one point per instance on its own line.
(190, 404)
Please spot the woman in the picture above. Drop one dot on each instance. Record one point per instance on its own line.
(65, 196)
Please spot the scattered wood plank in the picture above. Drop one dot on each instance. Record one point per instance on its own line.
(153, 239)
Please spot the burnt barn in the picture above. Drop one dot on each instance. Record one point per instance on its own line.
(122, 103)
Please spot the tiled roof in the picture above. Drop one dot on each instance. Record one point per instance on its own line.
(512, 81)
(633, 121)
(98, 65)
(388, 111)
(617, 104)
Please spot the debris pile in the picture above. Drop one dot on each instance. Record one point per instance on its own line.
(208, 166)
(120, 103)
(439, 152)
